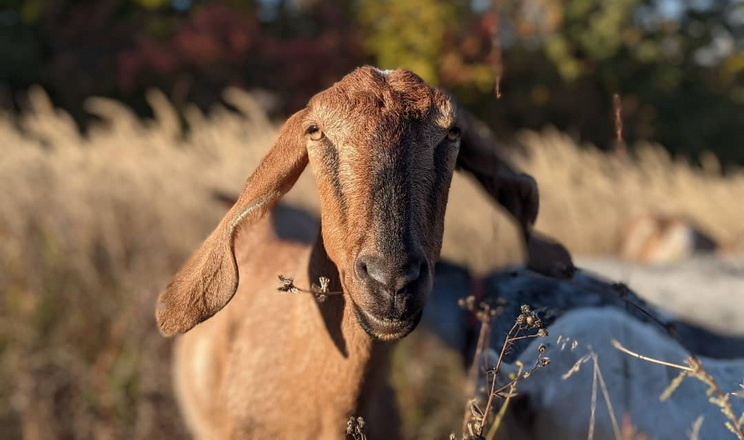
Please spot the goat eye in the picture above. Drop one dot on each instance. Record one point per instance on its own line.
(315, 133)
(453, 134)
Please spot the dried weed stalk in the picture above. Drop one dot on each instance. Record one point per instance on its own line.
(320, 291)
(495, 57)
(597, 379)
(528, 325)
(620, 147)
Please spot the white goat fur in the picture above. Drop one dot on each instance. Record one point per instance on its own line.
(560, 408)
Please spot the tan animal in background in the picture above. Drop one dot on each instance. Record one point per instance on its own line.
(659, 238)
(382, 146)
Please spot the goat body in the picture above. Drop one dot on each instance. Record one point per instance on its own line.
(268, 362)
(382, 146)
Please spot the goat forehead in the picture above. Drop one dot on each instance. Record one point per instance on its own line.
(369, 100)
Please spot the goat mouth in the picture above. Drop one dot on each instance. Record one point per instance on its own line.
(386, 329)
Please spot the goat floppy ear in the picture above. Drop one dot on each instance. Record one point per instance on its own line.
(517, 192)
(209, 279)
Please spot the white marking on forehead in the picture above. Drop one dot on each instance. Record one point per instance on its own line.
(384, 72)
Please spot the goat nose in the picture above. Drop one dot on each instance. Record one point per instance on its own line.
(393, 276)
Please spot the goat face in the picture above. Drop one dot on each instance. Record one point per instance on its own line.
(383, 147)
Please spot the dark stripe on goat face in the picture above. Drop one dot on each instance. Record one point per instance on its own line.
(440, 178)
(392, 203)
(438, 192)
(331, 159)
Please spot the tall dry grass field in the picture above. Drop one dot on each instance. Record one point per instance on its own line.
(92, 227)
(589, 196)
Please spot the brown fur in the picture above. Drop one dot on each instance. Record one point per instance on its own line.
(277, 365)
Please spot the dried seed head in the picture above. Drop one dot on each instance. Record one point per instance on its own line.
(355, 427)
(287, 285)
(324, 284)
(544, 361)
(475, 410)
(525, 309)
(542, 332)
(541, 349)
(467, 303)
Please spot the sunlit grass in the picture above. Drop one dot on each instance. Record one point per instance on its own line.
(92, 227)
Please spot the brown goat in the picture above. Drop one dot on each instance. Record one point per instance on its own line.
(382, 146)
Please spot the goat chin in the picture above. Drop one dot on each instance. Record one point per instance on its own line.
(383, 146)
(386, 329)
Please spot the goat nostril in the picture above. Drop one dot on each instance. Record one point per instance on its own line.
(361, 268)
(393, 276)
(413, 272)
(374, 269)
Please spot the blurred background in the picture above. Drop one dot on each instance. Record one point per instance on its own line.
(120, 119)
(678, 64)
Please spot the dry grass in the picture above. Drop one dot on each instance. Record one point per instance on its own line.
(90, 230)
(91, 227)
(588, 196)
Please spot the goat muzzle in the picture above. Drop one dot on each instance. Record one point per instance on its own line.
(395, 291)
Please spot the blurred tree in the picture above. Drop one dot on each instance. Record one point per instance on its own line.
(192, 49)
(668, 65)
(678, 65)
(409, 33)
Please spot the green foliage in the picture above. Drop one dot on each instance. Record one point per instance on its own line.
(153, 4)
(680, 71)
(591, 28)
(408, 33)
